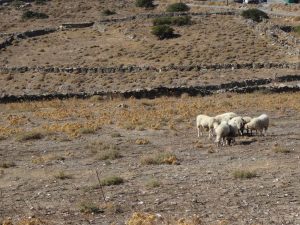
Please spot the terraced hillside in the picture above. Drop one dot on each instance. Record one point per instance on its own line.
(123, 148)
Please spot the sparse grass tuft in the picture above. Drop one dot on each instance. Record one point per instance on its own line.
(243, 174)
(87, 130)
(109, 154)
(89, 208)
(280, 149)
(153, 183)
(115, 135)
(159, 158)
(6, 165)
(30, 135)
(142, 141)
(113, 180)
(62, 175)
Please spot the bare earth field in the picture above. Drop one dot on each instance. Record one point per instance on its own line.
(50, 151)
(153, 169)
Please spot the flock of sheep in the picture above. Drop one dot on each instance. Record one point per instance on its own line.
(229, 125)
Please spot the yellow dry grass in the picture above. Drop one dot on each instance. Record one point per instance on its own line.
(164, 113)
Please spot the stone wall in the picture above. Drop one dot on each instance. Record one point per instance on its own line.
(135, 68)
(27, 34)
(246, 86)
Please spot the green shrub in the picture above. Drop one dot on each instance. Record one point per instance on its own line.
(178, 7)
(255, 15)
(163, 31)
(177, 21)
(144, 3)
(34, 15)
(108, 12)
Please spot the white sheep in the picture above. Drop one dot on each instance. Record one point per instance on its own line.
(247, 119)
(205, 122)
(239, 123)
(225, 116)
(260, 124)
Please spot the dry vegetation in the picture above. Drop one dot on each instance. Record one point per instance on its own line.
(69, 117)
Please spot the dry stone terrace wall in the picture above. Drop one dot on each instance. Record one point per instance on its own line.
(135, 68)
(246, 86)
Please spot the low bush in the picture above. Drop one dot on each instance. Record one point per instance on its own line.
(163, 31)
(255, 15)
(144, 3)
(34, 15)
(178, 7)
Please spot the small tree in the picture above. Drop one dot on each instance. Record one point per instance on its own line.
(144, 3)
(255, 15)
(178, 7)
(163, 31)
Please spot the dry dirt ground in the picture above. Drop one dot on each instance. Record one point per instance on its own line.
(51, 150)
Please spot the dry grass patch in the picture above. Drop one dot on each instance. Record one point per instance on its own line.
(160, 158)
(103, 151)
(63, 176)
(280, 149)
(112, 180)
(89, 208)
(29, 136)
(139, 218)
(244, 174)
(142, 141)
(6, 165)
(153, 183)
(47, 158)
